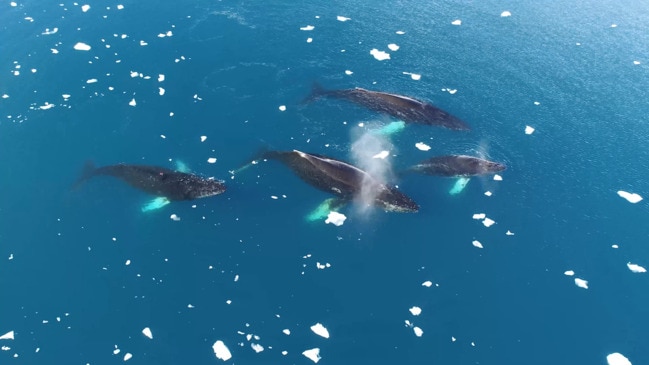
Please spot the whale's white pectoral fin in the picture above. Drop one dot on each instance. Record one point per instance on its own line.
(391, 128)
(459, 185)
(182, 167)
(155, 204)
(323, 210)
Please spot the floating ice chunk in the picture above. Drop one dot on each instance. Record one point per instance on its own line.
(427, 283)
(132, 102)
(422, 146)
(505, 14)
(569, 273)
(617, 358)
(418, 331)
(477, 244)
(380, 55)
(479, 216)
(85, 8)
(312, 354)
(135, 74)
(49, 32)
(456, 22)
(221, 351)
(13, 3)
(307, 28)
(537, 103)
(309, 40)
(120, 7)
(415, 310)
(161, 91)
(127, 356)
(7, 336)
(203, 138)
(5, 96)
(382, 155)
(631, 197)
(282, 108)
(335, 218)
(161, 78)
(347, 72)
(128, 262)
(320, 330)
(147, 332)
(287, 331)
(487, 193)
(211, 160)
(400, 32)
(636, 62)
(80, 46)
(257, 347)
(174, 218)
(498, 177)
(529, 130)
(488, 222)
(54, 50)
(46, 106)
(413, 75)
(393, 47)
(581, 283)
(143, 43)
(509, 233)
(635, 268)
(342, 18)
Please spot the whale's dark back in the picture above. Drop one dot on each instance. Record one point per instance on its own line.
(457, 165)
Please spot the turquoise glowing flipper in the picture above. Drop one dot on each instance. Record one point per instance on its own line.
(391, 128)
(182, 167)
(322, 211)
(459, 185)
(155, 204)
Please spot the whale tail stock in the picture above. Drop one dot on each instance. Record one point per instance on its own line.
(316, 92)
(87, 172)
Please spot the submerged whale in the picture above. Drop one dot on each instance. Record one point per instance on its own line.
(405, 108)
(457, 165)
(157, 181)
(342, 179)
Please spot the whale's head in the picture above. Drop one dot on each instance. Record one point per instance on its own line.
(198, 187)
(392, 200)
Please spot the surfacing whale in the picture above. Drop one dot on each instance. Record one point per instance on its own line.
(457, 165)
(402, 107)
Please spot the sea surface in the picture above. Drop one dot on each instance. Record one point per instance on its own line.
(84, 271)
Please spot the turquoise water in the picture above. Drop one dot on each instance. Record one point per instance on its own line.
(63, 253)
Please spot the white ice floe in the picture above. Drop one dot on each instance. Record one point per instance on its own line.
(400, 32)
(581, 283)
(382, 155)
(456, 22)
(418, 331)
(5, 96)
(312, 354)
(91, 81)
(335, 218)
(393, 47)
(615, 246)
(342, 18)
(80, 46)
(161, 78)
(505, 14)
(147, 332)
(380, 55)
(7, 336)
(569, 273)
(128, 262)
(66, 97)
(427, 283)
(161, 91)
(120, 7)
(348, 72)
(617, 358)
(221, 351)
(509, 233)
(257, 347)
(631, 197)
(287, 331)
(46, 106)
(143, 43)
(422, 146)
(132, 102)
(322, 266)
(479, 216)
(635, 268)
(203, 138)
(309, 40)
(498, 177)
(477, 244)
(174, 217)
(529, 130)
(415, 311)
(488, 193)
(488, 222)
(13, 3)
(85, 8)
(50, 32)
(320, 330)
(636, 62)
(282, 108)
(413, 75)
(128, 356)
(307, 28)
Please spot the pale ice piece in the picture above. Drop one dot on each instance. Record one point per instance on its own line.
(456, 22)
(174, 217)
(161, 91)
(505, 14)
(347, 72)
(161, 78)
(427, 284)
(221, 351)
(635, 268)
(613, 25)
(537, 103)
(236, 277)
(451, 91)
(16, 73)
(46, 106)
(569, 273)
(581, 283)
(509, 233)
(257, 347)
(120, 7)
(7, 336)
(309, 40)
(617, 358)
(400, 32)
(498, 177)
(66, 96)
(54, 50)
(393, 47)
(4, 96)
(488, 222)
(418, 331)
(487, 193)
(342, 18)
(211, 160)
(128, 262)
(477, 244)
(284, 352)
(203, 138)
(422, 146)
(615, 246)
(282, 108)
(132, 102)
(413, 76)
(379, 55)
(287, 331)
(91, 81)
(479, 216)
(49, 32)
(274, 197)
(163, 136)
(636, 62)
(335, 218)
(80, 46)
(13, 3)
(415, 310)
(453, 339)
(631, 197)
(147, 332)
(382, 155)
(320, 330)
(312, 354)
(529, 130)
(135, 74)
(127, 356)
(85, 8)
(308, 27)
(190, 306)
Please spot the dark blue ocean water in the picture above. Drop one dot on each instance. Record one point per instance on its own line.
(247, 263)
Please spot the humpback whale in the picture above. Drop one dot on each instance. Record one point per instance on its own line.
(405, 108)
(157, 181)
(342, 179)
(457, 165)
